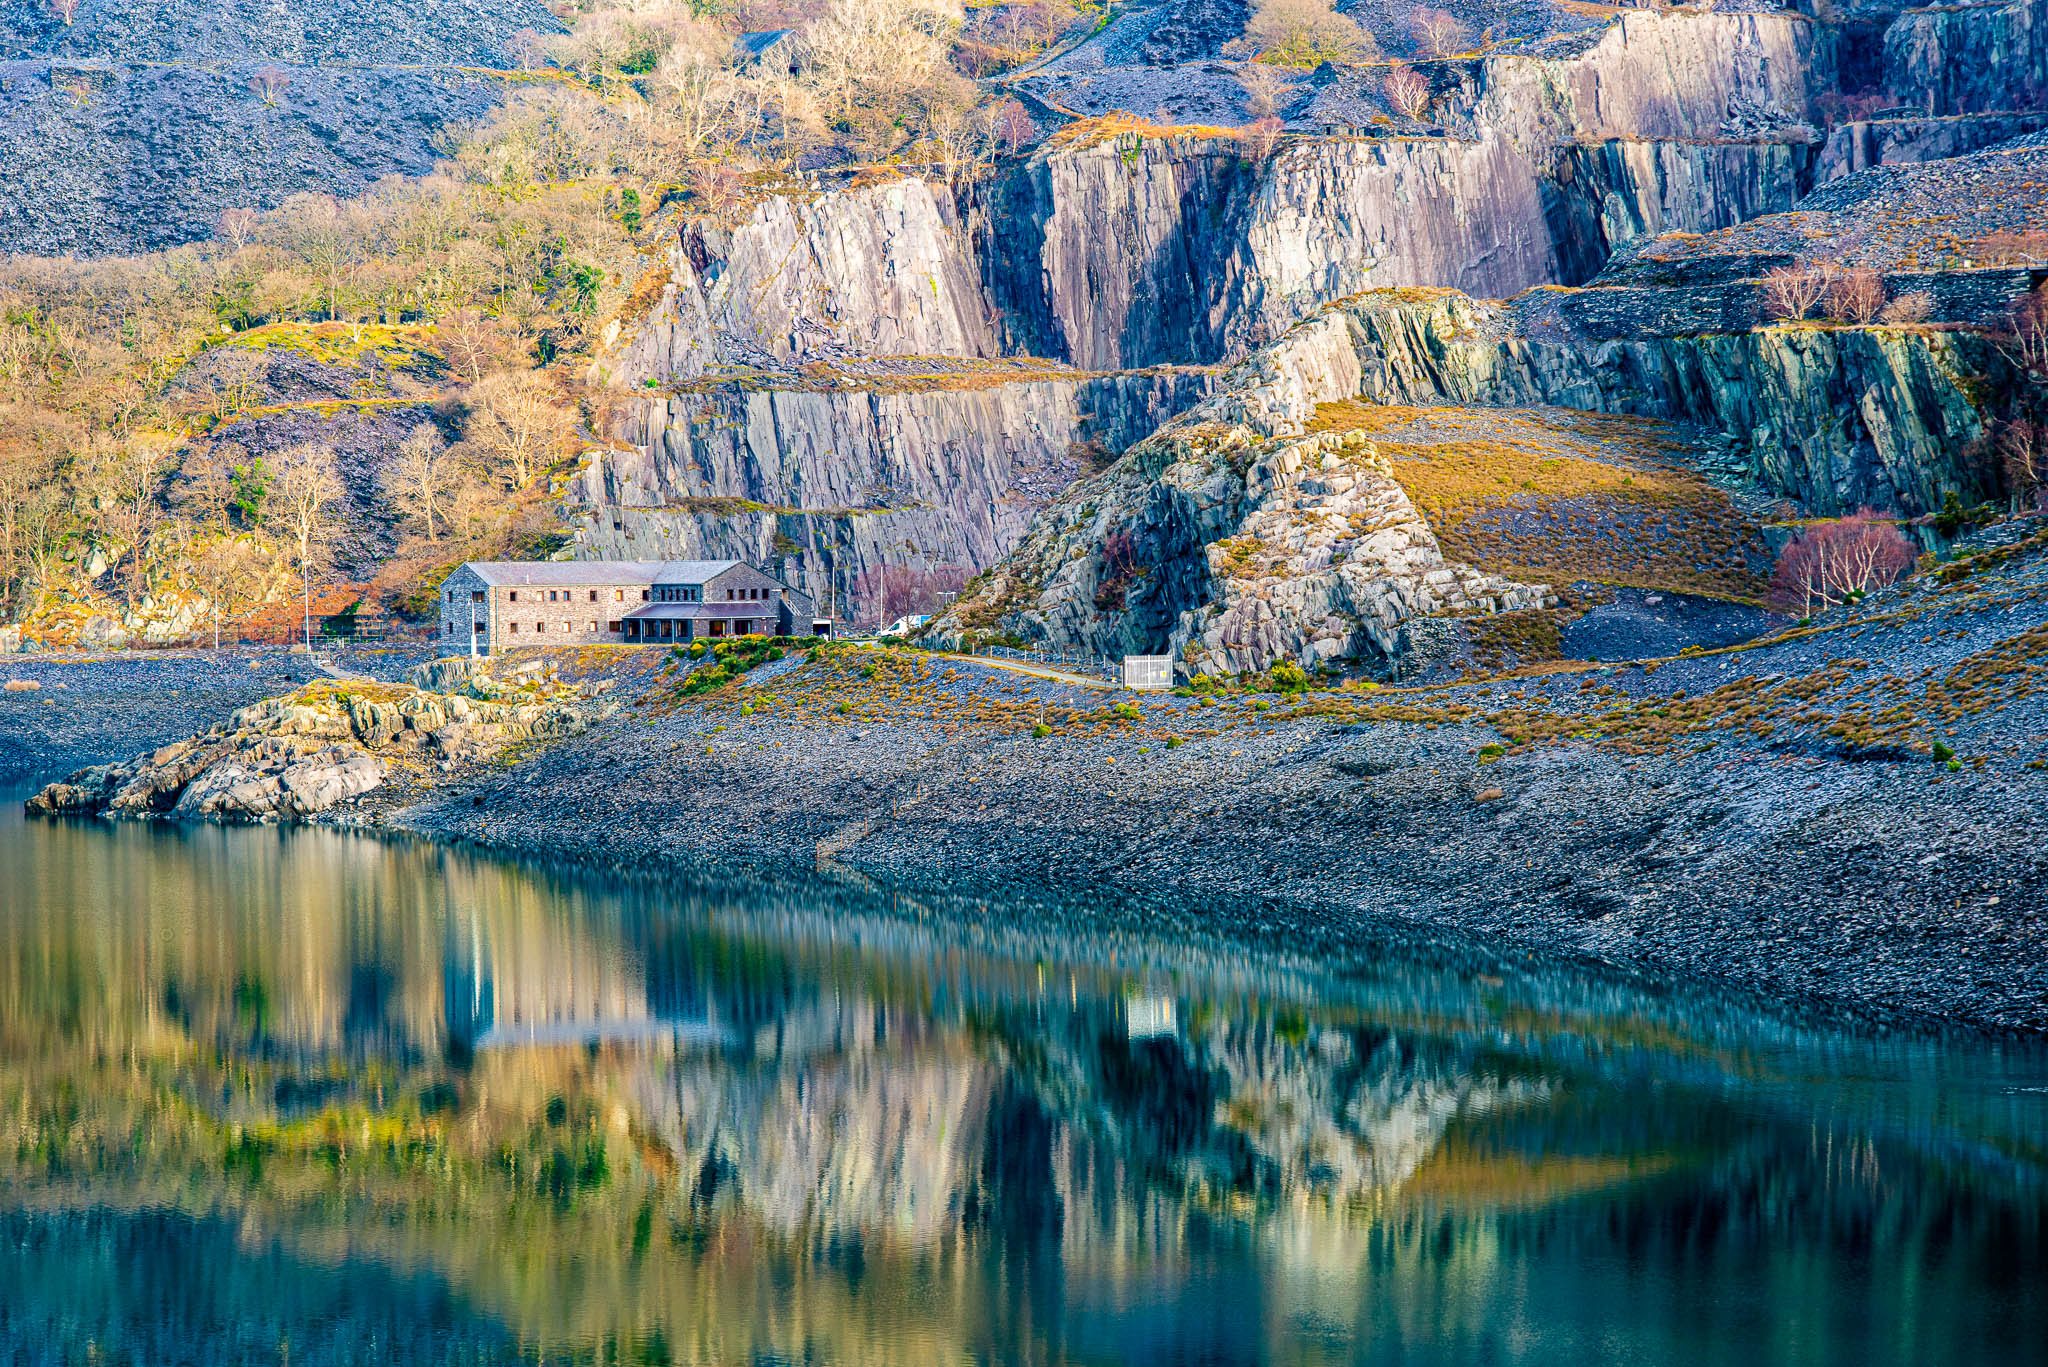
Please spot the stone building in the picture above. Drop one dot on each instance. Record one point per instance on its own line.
(497, 604)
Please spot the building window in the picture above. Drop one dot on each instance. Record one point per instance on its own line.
(513, 596)
(593, 595)
(476, 598)
(613, 627)
(592, 628)
(513, 627)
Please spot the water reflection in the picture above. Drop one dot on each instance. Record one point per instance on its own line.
(312, 1098)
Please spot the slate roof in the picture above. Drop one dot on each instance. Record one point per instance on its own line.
(577, 573)
(755, 46)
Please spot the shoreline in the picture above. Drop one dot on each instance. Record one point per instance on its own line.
(1888, 890)
(1325, 885)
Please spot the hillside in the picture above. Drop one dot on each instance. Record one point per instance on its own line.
(139, 123)
(1058, 328)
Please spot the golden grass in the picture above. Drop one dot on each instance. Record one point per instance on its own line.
(399, 345)
(1550, 494)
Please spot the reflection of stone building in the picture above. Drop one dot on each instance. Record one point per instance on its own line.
(534, 977)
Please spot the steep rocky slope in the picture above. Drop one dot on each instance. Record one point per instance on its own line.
(825, 379)
(1833, 416)
(139, 123)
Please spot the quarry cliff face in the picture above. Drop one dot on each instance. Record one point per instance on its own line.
(907, 373)
(1115, 251)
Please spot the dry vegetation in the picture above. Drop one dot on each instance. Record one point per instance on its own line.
(1559, 496)
(466, 306)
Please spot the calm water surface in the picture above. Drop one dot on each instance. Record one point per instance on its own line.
(307, 1098)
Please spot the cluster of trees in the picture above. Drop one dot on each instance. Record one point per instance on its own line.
(688, 104)
(1840, 294)
(120, 379)
(1838, 562)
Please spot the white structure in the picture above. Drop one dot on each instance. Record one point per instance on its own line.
(1151, 672)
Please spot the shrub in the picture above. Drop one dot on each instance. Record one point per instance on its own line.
(1915, 306)
(1855, 295)
(1839, 562)
(1289, 677)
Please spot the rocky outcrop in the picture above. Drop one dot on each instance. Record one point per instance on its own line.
(1234, 541)
(1836, 417)
(1969, 58)
(297, 756)
(1141, 246)
(1900, 140)
(877, 270)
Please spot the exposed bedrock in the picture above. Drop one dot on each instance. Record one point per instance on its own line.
(1139, 248)
(941, 471)
(1897, 141)
(878, 271)
(1142, 248)
(1970, 58)
(1835, 417)
(1237, 537)
(1234, 540)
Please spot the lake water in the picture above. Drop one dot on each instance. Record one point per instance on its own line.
(305, 1098)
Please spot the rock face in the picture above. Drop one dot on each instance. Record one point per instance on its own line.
(1903, 139)
(939, 471)
(1838, 418)
(1234, 541)
(1970, 58)
(779, 412)
(294, 757)
(769, 421)
(1141, 247)
(138, 124)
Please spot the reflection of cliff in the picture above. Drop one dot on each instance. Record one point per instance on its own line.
(894, 1144)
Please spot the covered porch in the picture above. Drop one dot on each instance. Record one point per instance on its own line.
(681, 623)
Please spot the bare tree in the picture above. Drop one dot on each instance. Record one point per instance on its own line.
(877, 51)
(303, 497)
(230, 573)
(316, 228)
(126, 479)
(1839, 562)
(1407, 91)
(66, 10)
(1856, 295)
(205, 489)
(1306, 33)
(1793, 291)
(2026, 342)
(1442, 32)
(239, 226)
(269, 84)
(420, 480)
(237, 380)
(697, 99)
(2023, 449)
(1011, 125)
(470, 343)
(1264, 88)
(516, 423)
